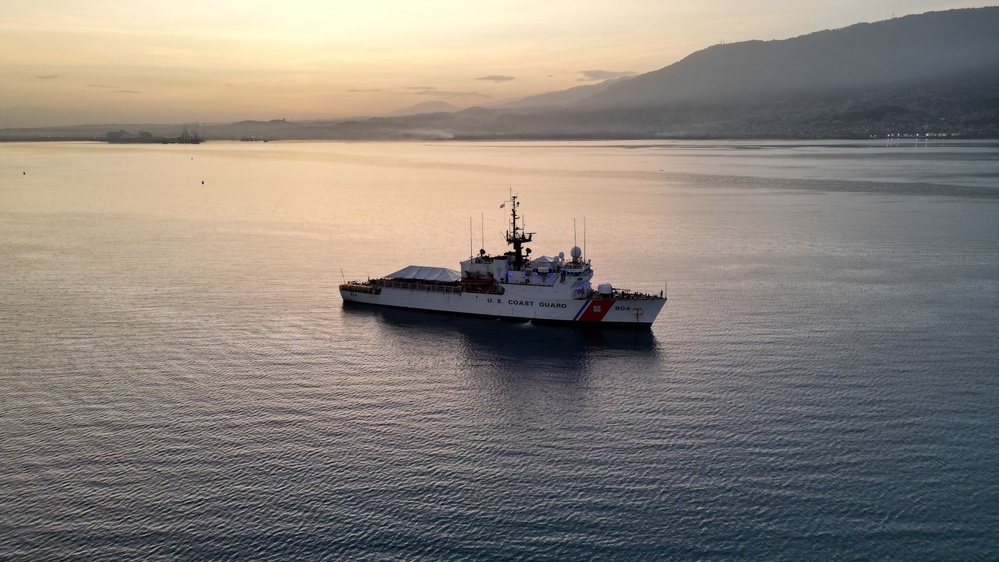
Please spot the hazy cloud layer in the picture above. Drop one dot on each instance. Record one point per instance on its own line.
(450, 94)
(113, 89)
(362, 90)
(47, 77)
(498, 78)
(593, 75)
(432, 91)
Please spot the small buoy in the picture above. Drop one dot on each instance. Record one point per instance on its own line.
(24, 173)
(202, 182)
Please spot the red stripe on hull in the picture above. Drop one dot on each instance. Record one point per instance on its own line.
(595, 311)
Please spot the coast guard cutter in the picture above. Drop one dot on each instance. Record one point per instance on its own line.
(511, 286)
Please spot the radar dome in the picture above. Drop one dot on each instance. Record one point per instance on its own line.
(575, 252)
(605, 289)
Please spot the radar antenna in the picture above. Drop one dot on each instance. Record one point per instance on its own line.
(516, 235)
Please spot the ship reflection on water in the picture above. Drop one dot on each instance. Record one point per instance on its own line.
(529, 345)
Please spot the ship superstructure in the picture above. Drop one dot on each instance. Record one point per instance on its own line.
(511, 286)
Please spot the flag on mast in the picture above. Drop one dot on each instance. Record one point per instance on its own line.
(503, 205)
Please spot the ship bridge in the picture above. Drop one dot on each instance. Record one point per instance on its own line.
(571, 278)
(565, 279)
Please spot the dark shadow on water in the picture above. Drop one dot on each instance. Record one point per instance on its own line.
(506, 341)
(515, 374)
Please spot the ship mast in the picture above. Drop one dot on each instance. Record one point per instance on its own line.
(517, 236)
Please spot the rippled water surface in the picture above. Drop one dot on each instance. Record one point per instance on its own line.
(180, 380)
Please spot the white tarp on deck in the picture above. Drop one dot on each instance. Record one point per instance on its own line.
(424, 273)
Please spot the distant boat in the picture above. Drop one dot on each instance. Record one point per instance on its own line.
(511, 286)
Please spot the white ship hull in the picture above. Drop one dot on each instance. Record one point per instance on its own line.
(512, 286)
(519, 303)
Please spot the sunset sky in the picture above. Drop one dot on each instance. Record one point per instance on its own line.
(66, 62)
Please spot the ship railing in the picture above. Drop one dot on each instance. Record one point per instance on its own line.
(359, 287)
(625, 295)
(529, 283)
(425, 286)
(576, 267)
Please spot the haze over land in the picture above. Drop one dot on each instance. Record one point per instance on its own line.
(929, 73)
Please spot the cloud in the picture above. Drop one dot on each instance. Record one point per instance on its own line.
(361, 90)
(591, 75)
(47, 77)
(447, 94)
(433, 91)
(498, 78)
(115, 89)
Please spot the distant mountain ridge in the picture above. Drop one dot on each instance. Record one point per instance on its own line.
(561, 97)
(906, 50)
(436, 106)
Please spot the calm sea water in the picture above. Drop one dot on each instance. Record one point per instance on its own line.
(180, 380)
